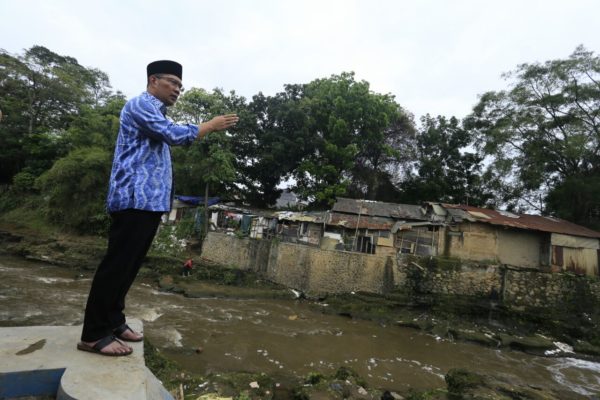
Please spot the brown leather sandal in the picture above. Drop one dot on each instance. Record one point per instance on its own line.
(102, 343)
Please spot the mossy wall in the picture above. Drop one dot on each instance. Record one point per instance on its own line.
(306, 268)
(325, 271)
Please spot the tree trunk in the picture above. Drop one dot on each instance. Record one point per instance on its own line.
(205, 230)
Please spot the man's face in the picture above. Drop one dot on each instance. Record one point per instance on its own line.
(165, 87)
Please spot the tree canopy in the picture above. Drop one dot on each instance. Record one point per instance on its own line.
(534, 146)
(41, 94)
(543, 136)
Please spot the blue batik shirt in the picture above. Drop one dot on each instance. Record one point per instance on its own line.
(141, 176)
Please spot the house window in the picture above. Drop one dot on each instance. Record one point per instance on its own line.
(419, 240)
(303, 228)
(364, 244)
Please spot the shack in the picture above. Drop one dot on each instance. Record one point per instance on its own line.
(519, 240)
(376, 227)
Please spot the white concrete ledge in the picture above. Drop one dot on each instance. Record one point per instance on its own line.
(44, 360)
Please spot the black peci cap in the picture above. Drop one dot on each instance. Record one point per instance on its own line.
(165, 67)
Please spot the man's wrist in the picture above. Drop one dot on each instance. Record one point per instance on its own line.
(204, 128)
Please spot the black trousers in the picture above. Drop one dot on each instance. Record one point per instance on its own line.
(130, 236)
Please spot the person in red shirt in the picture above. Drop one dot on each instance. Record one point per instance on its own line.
(187, 267)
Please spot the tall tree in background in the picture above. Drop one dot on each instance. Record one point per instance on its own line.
(447, 169)
(208, 163)
(96, 125)
(41, 93)
(543, 135)
(386, 139)
(273, 142)
(354, 131)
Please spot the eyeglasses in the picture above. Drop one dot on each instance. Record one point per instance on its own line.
(172, 82)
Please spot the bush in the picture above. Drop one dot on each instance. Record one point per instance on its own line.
(75, 189)
(459, 380)
(230, 278)
(314, 378)
(24, 182)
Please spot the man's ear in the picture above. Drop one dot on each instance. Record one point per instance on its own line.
(151, 80)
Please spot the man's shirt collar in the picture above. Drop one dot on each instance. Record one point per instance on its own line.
(161, 106)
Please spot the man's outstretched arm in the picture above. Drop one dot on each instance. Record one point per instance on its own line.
(218, 123)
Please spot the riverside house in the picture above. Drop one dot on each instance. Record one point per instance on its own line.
(430, 229)
(381, 228)
(520, 240)
(469, 233)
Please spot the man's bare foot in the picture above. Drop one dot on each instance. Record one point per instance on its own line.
(109, 346)
(131, 335)
(124, 332)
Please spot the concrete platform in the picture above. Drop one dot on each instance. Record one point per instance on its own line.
(44, 361)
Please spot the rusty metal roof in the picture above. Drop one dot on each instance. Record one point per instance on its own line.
(379, 209)
(351, 221)
(521, 221)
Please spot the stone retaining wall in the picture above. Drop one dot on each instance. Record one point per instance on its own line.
(539, 289)
(470, 280)
(313, 270)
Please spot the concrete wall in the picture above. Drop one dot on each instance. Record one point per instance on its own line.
(519, 248)
(482, 242)
(477, 243)
(302, 267)
(227, 250)
(314, 270)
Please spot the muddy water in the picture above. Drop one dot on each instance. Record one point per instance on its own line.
(275, 336)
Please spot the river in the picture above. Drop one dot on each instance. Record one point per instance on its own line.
(279, 336)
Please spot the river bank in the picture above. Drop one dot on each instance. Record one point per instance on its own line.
(449, 317)
(213, 281)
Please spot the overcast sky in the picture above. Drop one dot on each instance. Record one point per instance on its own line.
(435, 56)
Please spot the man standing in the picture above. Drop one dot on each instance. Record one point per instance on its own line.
(140, 191)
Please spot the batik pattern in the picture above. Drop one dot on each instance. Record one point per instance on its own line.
(141, 176)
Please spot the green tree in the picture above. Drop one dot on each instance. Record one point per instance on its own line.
(448, 168)
(95, 125)
(75, 189)
(208, 162)
(271, 140)
(41, 93)
(357, 136)
(544, 135)
(581, 190)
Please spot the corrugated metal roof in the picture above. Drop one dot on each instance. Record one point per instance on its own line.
(351, 221)
(244, 211)
(521, 221)
(409, 211)
(379, 209)
(305, 216)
